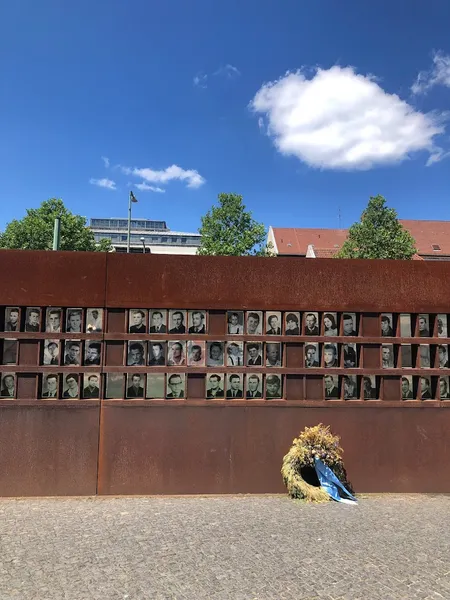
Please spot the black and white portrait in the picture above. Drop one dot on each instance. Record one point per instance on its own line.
(273, 323)
(135, 385)
(12, 318)
(330, 324)
(196, 353)
(312, 323)
(177, 321)
(387, 328)
(442, 326)
(407, 388)
(115, 385)
(235, 388)
(51, 352)
(424, 356)
(312, 358)
(92, 353)
(8, 386)
(273, 354)
(331, 384)
(405, 325)
(71, 386)
(274, 387)
(215, 386)
(197, 321)
(235, 322)
(254, 386)
(10, 347)
(444, 390)
(424, 325)
(137, 320)
(235, 354)
(406, 352)
(387, 356)
(136, 354)
(254, 322)
(155, 386)
(176, 354)
(350, 356)
(74, 320)
(425, 388)
(214, 354)
(349, 324)
(254, 354)
(157, 353)
(158, 321)
(53, 320)
(50, 386)
(350, 387)
(443, 356)
(369, 387)
(176, 386)
(72, 352)
(94, 320)
(292, 323)
(91, 386)
(33, 319)
(330, 355)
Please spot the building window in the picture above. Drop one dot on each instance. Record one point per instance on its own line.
(436, 247)
(124, 238)
(174, 240)
(183, 240)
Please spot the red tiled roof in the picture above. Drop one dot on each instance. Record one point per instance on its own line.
(427, 233)
(325, 252)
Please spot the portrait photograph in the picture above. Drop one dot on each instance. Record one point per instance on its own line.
(155, 386)
(444, 389)
(331, 385)
(177, 321)
(91, 386)
(135, 385)
(330, 355)
(214, 354)
(424, 356)
(51, 352)
(74, 320)
(254, 353)
(215, 387)
(442, 326)
(330, 324)
(312, 357)
(33, 319)
(350, 356)
(370, 388)
(196, 353)
(12, 318)
(407, 359)
(235, 354)
(71, 386)
(197, 322)
(274, 354)
(254, 386)
(423, 324)
(407, 387)
(350, 387)
(176, 386)
(443, 356)
(137, 320)
(50, 386)
(94, 320)
(158, 321)
(405, 325)
(235, 322)
(136, 354)
(426, 392)
(72, 352)
(349, 326)
(115, 385)
(254, 322)
(10, 347)
(176, 354)
(387, 356)
(312, 323)
(235, 387)
(8, 385)
(387, 325)
(273, 323)
(292, 323)
(157, 354)
(274, 387)
(92, 353)
(53, 319)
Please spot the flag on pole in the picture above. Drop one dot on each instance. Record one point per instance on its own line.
(132, 197)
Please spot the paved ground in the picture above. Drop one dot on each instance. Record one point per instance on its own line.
(233, 548)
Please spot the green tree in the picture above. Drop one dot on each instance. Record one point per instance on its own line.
(379, 234)
(35, 230)
(229, 230)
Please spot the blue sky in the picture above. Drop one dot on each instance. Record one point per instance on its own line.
(203, 86)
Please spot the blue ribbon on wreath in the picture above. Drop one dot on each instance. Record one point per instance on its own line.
(331, 484)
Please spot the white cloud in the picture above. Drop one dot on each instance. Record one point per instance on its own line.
(174, 172)
(439, 74)
(105, 161)
(338, 119)
(104, 183)
(228, 71)
(201, 81)
(144, 187)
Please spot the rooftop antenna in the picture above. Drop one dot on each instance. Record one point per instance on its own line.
(339, 213)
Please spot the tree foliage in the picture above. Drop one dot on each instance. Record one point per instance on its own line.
(229, 230)
(379, 234)
(35, 230)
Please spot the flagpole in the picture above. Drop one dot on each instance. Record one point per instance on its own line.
(129, 223)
